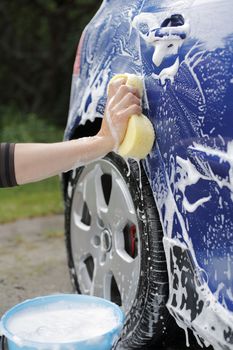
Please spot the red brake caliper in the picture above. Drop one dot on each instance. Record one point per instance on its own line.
(132, 232)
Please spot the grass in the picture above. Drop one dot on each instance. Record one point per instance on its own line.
(37, 199)
(51, 234)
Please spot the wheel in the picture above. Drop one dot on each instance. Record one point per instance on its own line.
(114, 244)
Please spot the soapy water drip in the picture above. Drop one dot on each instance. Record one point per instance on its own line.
(168, 73)
(192, 62)
(139, 175)
(128, 166)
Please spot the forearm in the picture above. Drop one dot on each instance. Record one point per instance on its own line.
(36, 161)
(23, 163)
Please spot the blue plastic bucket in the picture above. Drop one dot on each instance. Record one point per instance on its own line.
(103, 341)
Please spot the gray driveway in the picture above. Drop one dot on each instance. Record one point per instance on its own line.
(32, 260)
(33, 263)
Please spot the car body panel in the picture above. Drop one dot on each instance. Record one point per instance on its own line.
(188, 77)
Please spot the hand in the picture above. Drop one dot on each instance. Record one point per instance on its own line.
(122, 102)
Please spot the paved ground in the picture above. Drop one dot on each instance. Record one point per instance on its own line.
(32, 260)
(33, 263)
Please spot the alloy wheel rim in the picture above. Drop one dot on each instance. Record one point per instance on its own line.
(104, 235)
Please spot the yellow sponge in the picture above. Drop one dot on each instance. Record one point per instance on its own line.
(140, 136)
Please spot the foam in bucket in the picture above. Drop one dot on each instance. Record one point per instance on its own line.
(61, 321)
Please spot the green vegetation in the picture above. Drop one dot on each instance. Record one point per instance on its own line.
(38, 42)
(18, 127)
(51, 234)
(36, 199)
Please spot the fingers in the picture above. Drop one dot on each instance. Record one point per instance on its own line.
(118, 89)
(123, 102)
(126, 101)
(133, 109)
(124, 91)
(115, 85)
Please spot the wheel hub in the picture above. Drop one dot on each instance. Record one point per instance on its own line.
(106, 240)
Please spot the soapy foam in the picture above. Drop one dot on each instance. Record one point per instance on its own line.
(189, 175)
(163, 47)
(59, 323)
(164, 192)
(167, 73)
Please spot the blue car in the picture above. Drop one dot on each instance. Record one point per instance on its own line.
(156, 236)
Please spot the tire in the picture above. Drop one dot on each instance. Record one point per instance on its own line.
(121, 261)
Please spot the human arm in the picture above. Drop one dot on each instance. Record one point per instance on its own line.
(37, 161)
(34, 162)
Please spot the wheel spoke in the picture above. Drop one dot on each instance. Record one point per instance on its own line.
(77, 208)
(84, 279)
(100, 200)
(93, 192)
(125, 270)
(97, 286)
(77, 220)
(101, 283)
(89, 193)
(80, 240)
(120, 208)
